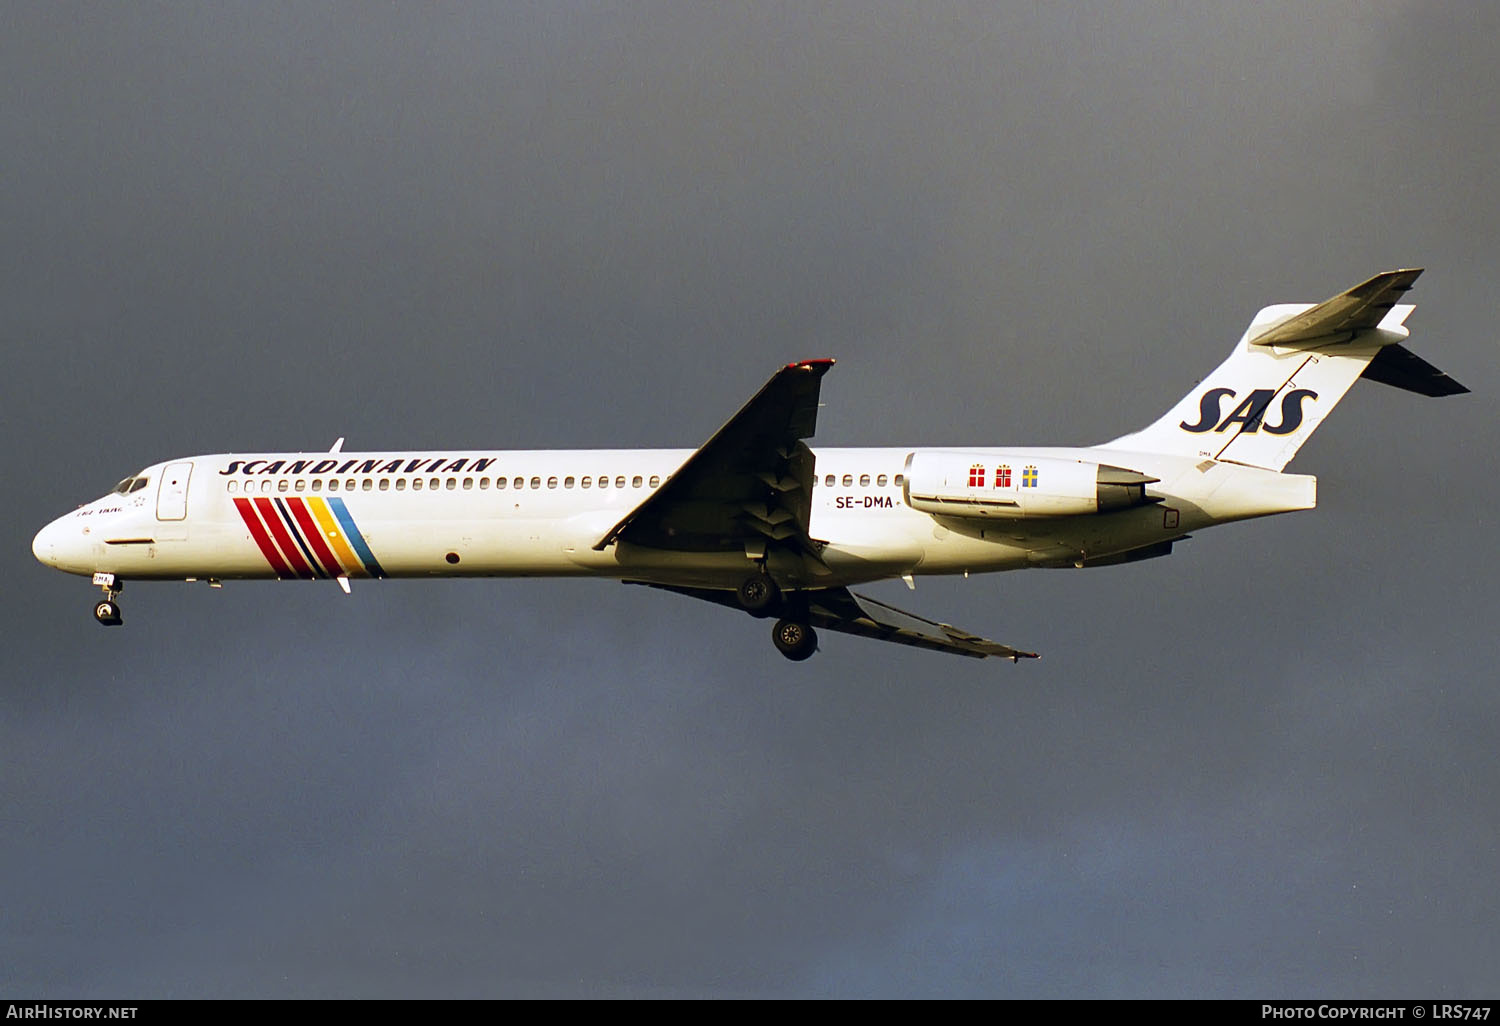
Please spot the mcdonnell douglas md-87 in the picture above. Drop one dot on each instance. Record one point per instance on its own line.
(754, 519)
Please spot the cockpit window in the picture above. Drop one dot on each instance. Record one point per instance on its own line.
(130, 484)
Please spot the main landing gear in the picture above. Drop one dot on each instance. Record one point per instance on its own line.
(108, 611)
(794, 639)
(758, 595)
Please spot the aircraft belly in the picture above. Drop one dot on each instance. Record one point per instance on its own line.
(210, 550)
(966, 545)
(697, 569)
(483, 548)
(853, 562)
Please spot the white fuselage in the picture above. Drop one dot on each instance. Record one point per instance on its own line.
(541, 513)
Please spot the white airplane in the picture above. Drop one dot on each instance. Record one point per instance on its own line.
(754, 519)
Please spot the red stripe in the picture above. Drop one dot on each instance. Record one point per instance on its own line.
(314, 536)
(278, 531)
(261, 538)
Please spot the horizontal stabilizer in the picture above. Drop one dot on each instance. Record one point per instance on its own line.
(1399, 367)
(1341, 318)
(1288, 371)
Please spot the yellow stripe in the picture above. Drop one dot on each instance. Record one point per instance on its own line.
(324, 516)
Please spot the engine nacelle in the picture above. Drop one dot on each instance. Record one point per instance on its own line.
(958, 484)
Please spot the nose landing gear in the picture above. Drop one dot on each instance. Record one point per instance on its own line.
(108, 611)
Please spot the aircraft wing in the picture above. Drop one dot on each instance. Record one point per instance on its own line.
(839, 609)
(750, 483)
(1339, 319)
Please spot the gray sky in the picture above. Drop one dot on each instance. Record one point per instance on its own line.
(1262, 767)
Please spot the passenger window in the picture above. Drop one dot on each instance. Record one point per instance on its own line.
(518, 483)
(620, 481)
(234, 486)
(635, 482)
(848, 480)
(317, 484)
(500, 483)
(829, 480)
(333, 485)
(536, 482)
(880, 480)
(484, 483)
(400, 484)
(416, 484)
(435, 483)
(349, 484)
(864, 480)
(567, 482)
(452, 483)
(385, 484)
(300, 485)
(468, 484)
(899, 479)
(368, 484)
(265, 485)
(655, 481)
(585, 482)
(281, 485)
(551, 482)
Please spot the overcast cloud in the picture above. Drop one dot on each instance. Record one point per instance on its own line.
(1262, 767)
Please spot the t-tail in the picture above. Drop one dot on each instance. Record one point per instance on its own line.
(1293, 365)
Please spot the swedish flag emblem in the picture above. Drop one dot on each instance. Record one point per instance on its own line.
(1028, 477)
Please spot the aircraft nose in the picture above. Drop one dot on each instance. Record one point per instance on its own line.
(44, 545)
(58, 544)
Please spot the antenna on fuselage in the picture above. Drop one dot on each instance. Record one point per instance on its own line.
(338, 446)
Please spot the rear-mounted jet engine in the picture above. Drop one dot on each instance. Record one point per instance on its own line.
(960, 484)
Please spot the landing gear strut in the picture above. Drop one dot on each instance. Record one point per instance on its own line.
(794, 639)
(108, 611)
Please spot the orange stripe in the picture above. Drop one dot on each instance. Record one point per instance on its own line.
(324, 516)
(314, 539)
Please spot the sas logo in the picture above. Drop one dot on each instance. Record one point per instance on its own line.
(1250, 411)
